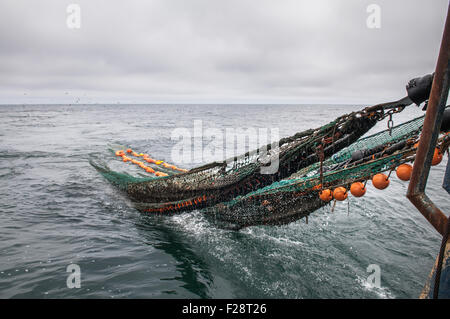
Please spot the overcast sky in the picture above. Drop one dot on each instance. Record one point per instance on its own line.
(215, 51)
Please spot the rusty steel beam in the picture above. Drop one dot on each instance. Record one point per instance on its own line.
(428, 138)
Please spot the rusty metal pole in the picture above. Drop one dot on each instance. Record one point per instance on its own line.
(428, 138)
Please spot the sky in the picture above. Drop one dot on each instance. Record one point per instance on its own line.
(215, 51)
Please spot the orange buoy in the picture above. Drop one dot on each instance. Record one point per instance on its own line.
(404, 172)
(358, 189)
(326, 195)
(380, 181)
(148, 159)
(160, 174)
(340, 193)
(437, 157)
(149, 170)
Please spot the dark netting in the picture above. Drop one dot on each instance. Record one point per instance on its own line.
(222, 181)
(292, 199)
(395, 134)
(288, 203)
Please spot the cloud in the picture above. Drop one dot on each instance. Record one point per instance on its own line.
(204, 51)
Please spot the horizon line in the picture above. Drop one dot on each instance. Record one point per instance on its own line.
(180, 103)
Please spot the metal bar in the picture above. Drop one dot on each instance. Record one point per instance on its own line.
(428, 138)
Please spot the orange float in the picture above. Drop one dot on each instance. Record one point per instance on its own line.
(404, 172)
(160, 174)
(380, 181)
(437, 157)
(358, 189)
(326, 195)
(148, 159)
(340, 193)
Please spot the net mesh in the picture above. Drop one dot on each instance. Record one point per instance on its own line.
(222, 181)
(294, 198)
(234, 193)
(398, 133)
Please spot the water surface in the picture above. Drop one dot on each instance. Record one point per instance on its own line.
(56, 210)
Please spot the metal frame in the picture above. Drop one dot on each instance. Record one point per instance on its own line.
(428, 138)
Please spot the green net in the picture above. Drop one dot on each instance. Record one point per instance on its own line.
(398, 133)
(222, 181)
(287, 203)
(297, 197)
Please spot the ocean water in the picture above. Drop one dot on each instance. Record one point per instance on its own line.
(56, 210)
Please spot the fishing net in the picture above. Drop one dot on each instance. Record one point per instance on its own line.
(395, 134)
(222, 181)
(291, 199)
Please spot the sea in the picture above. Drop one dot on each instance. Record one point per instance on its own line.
(57, 214)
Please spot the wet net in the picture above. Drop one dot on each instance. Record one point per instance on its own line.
(294, 198)
(222, 181)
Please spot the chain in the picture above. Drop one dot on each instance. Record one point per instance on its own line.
(390, 124)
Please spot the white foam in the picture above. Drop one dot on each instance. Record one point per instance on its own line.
(382, 292)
